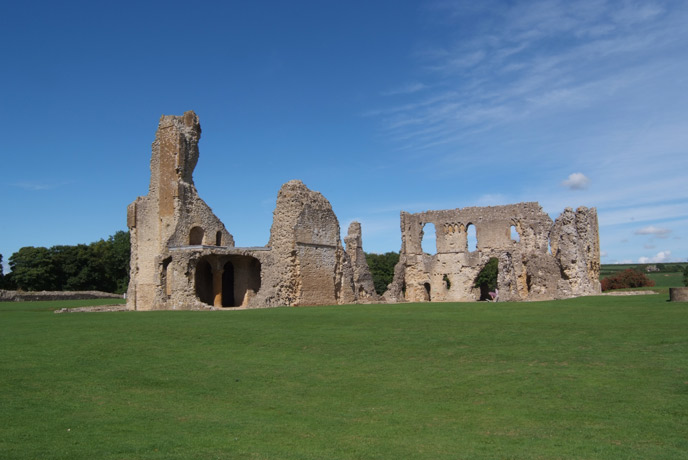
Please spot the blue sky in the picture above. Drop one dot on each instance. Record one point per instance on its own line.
(382, 106)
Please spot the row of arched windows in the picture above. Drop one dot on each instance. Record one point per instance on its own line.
(429, 240)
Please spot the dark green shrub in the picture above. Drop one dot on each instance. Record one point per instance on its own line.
(626, 279)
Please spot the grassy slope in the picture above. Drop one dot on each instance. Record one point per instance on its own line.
(599, 377)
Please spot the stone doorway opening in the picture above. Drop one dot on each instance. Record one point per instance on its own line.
(227, 281)
(486, 280)
(240, 280)
(204, 282)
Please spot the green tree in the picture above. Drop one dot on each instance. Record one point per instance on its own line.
(33, 269)
(487, 278)
(102, 266)
(685, 276)
(382, 268)
(78, 268)
(116, 261)
(2, 275)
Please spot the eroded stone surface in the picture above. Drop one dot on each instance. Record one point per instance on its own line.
(518, 235)
(183, 257)
(363, 280)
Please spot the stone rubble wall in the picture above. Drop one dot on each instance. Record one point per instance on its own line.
(364, 286)
(21, 296)
(184, 258)
(528, 268)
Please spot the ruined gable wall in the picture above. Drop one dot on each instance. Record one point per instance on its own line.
(311, 266)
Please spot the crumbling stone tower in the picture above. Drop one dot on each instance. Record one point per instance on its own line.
(183, 257)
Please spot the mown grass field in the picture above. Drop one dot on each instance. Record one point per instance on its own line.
(597, 377)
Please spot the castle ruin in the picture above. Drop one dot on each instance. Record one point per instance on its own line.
(183, 257)
(544, 260)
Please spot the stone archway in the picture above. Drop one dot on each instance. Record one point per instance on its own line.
(240, 280)
(203, 281)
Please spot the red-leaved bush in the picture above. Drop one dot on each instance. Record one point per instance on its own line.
(626, 279)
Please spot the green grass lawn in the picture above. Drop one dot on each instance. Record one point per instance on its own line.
(597, 377)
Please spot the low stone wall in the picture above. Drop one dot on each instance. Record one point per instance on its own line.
(678, 294)
(18, 296)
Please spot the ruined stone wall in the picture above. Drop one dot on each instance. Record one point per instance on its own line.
(311, 266)
(364, 287)
(184, 258)
(528, 270)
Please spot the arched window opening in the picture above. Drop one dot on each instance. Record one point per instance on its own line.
(164, 277)
(204, 282)
(196, 236)
(218, 239)
(487, 279)
(515, 236)
(429, 239)
(471, 238)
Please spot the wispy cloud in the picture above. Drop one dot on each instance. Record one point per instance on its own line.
(511, 61)
(654, 231)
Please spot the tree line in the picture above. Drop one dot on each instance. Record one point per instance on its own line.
(99, 266)
(104, 266)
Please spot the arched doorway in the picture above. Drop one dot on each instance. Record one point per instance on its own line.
(240, 280)
(228, 285)
(487, 279)
(204, 282)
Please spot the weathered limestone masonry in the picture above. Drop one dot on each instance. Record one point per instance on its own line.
(546, 261)
(183, 257)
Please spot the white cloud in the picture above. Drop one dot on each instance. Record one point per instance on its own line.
(654, 231)
(576, 181)
(662, 256)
